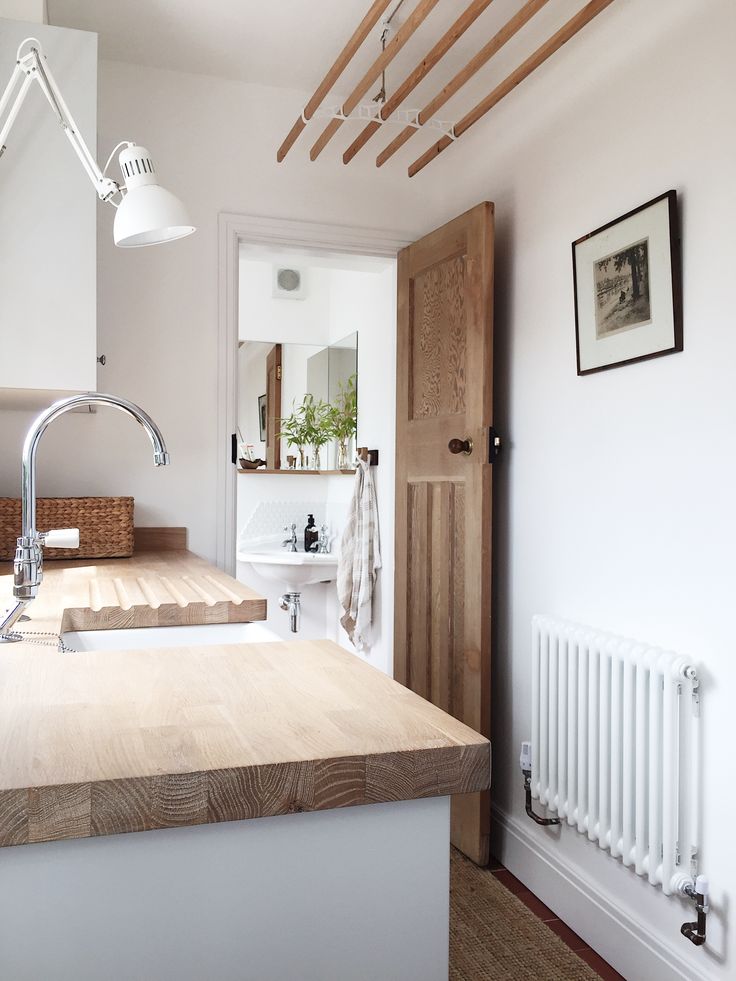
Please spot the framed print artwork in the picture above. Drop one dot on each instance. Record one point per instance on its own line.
(628, 290)
(262, 412)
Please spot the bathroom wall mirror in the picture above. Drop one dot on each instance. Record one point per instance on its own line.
(274, 380)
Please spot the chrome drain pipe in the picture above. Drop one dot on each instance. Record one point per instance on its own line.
(291, 603)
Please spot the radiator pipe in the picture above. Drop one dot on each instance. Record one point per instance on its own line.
(698, 892)
(545, 822)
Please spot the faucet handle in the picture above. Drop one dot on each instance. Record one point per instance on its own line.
(60, 538)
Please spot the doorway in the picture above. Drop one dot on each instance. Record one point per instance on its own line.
(289, 328)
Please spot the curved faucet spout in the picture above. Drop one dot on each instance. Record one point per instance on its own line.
(30, 447)
(28, 565)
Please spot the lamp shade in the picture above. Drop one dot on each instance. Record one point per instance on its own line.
(148, 213)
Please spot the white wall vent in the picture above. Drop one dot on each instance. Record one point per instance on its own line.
(288, 283)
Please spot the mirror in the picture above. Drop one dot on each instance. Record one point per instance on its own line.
(281, 388)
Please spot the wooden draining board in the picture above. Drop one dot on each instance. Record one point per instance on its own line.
(108, 742)
(156, 600)
(167, 588)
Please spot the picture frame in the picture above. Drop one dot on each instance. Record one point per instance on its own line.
(628, 288)
(263, 416)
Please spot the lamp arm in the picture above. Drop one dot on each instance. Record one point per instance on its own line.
(17, 75)
(33, 65)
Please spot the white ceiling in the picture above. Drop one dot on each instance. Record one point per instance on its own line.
(291, 43)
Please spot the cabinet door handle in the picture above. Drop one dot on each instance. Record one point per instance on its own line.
(461, 446)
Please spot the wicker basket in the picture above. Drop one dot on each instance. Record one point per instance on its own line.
(105, 525)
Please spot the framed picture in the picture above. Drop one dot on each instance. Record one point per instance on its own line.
(628, 289)
(262, 416)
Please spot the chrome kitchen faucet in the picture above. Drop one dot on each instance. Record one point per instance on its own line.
(28, 564)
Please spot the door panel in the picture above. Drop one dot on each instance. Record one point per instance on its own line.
(443, 499)
(438, 341)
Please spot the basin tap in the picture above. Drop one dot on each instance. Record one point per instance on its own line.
(28, 564)
(322, 545)
(290, 542)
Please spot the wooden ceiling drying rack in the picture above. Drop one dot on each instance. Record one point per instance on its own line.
(388, 109)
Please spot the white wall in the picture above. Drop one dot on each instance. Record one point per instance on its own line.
(252, 384)
(614, 493)
(31, 11)
(263, 317)
(48, 276)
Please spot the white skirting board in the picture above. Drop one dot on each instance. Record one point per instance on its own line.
(603, 923)
(351, 894)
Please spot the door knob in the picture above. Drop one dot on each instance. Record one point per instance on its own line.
(461, 446)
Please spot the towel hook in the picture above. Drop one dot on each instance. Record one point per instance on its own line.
(368, 456)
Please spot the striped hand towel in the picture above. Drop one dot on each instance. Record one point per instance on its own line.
(360, 559)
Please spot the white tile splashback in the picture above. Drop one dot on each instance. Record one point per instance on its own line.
(265, 523)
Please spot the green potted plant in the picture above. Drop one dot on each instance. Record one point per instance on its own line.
(344, 420)
(316, 416)
(310, 424)
(294, 431)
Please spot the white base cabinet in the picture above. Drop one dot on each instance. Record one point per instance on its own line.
(352, 894)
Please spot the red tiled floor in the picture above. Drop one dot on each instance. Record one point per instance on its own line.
(536, 906)
(513, 884)
(563, 931)
(598, 964)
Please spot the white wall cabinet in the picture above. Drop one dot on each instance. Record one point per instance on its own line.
(48, 236)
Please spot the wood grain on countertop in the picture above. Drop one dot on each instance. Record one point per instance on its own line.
(107, 742)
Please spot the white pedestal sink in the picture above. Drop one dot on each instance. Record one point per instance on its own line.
(293, 570)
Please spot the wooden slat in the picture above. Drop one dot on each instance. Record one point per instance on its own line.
(510, 28)
(464, 21)
(417, 596)
(417, 16)
(343, 60)
(568, 31)
(159, 539)
(441, 559)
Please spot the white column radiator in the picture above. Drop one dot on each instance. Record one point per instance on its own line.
(615, 746)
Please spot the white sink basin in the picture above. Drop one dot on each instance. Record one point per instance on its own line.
(188, 636)
(293, 570)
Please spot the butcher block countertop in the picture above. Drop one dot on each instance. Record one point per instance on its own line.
(106, 742)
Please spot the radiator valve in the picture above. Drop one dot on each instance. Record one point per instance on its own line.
(525, 760)
(698, 892)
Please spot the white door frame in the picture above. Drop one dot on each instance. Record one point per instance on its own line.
(232, 230)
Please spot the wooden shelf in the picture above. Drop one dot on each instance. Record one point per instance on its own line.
(303, 473)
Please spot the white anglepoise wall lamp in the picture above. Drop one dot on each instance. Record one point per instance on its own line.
(147, 214)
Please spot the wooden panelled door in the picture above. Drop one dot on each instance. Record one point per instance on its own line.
(273, 408)
(444, 445)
